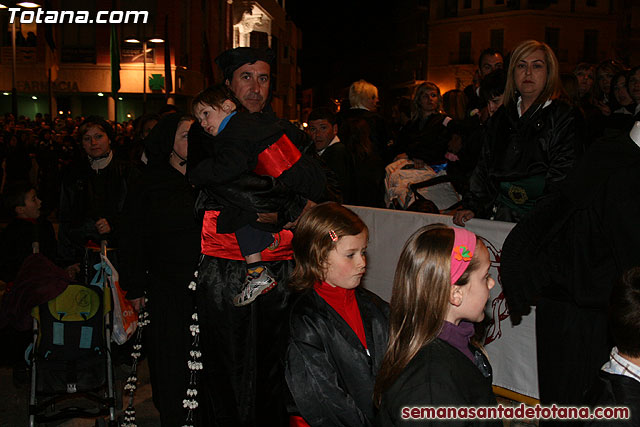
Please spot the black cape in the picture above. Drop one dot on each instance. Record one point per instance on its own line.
(439, 375)
(328, 371)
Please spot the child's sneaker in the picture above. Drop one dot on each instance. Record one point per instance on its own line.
(258, 281)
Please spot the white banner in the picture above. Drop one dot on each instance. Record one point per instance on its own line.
(512, 350)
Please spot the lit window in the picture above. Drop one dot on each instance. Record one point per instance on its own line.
(254, 29)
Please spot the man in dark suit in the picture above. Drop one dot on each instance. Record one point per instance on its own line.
(490, 60)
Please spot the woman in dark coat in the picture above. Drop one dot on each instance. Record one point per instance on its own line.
(368, 171)
(425, 139)
(92, 195)
(530, 144)
(159, 255)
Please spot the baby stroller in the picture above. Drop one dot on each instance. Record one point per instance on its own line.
(419, 190)
(71, 367)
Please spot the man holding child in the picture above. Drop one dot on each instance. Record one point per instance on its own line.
(242, 346)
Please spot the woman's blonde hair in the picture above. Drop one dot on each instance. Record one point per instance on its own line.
(416, 107)
(419, 300)
(360, 92)
(552, 87)
(313, 240)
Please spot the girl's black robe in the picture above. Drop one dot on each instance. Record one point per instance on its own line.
(439, 375)
(328, 371)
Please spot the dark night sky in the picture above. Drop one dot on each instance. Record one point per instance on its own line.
(342, 41)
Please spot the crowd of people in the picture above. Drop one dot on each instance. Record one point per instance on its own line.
(246, 209)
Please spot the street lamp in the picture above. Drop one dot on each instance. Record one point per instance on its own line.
(144, 66)
(14, 91)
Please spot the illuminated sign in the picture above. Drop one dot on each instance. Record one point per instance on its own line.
(43, 86)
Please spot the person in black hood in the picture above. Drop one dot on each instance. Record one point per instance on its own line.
(159, 253)
(564, 259)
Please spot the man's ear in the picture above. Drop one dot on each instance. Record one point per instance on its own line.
(455, 295)
(20, 210)
(335, 129)
(227, 82)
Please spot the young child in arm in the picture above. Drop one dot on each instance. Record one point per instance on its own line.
(440, 288)
(236, 143)
(338, 330)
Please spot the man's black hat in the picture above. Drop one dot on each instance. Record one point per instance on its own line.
(232, 59)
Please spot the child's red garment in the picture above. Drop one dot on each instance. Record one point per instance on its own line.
(296, 421)
(225, 245)
(343, 301)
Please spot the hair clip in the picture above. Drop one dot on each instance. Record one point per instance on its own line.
(333, 235)
(461, 253)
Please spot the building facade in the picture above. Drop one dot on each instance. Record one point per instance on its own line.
(66, 67)
(444, 46)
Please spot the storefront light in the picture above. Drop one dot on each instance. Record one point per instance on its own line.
(100, 94)
(34, 97)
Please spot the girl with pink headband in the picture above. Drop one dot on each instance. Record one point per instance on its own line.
(440, 288)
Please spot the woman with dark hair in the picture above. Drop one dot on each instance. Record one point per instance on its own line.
(159, 253)
(570, 89)
(92, 194)
(604, 73)
(530, 143)
(454, 103)
(633, 87)
(584, 73)
(598, 105)
(622, 105)
(425, 139)
(369, 167)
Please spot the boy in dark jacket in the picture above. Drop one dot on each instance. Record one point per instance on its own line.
(17, 241)
(619, 381)
(25, 229)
